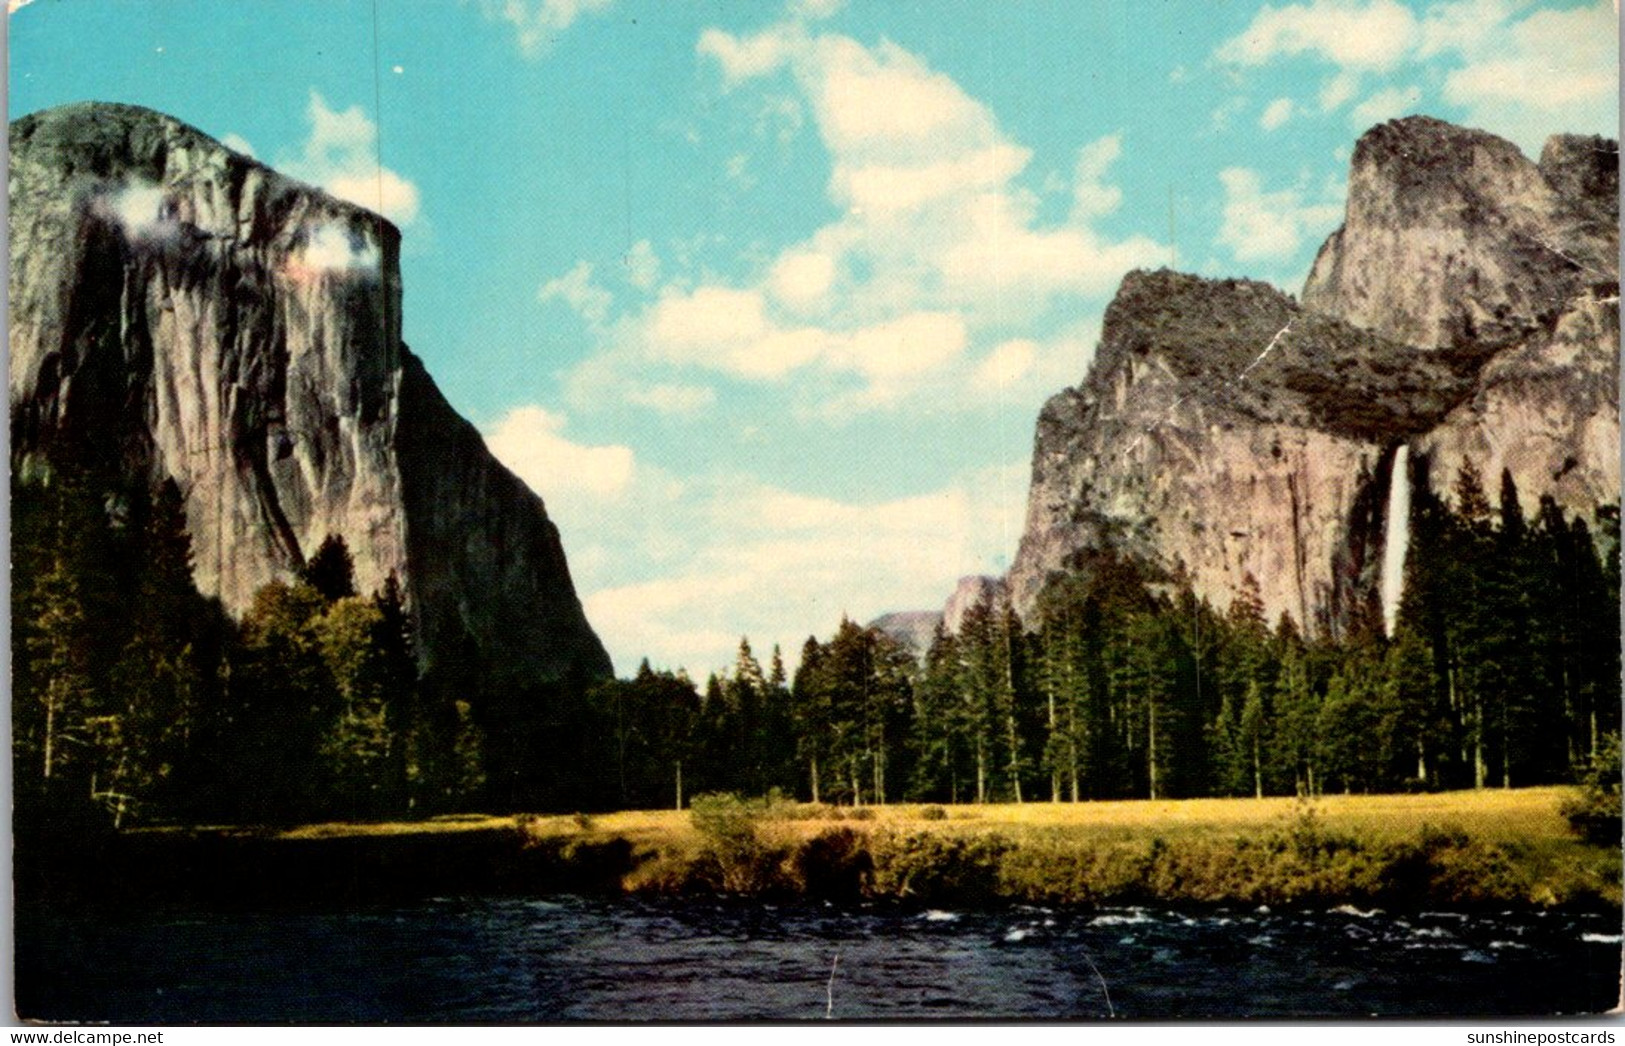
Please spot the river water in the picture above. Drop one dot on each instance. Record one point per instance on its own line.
(516, 960)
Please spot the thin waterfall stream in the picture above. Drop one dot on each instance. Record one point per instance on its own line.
(1396, 537)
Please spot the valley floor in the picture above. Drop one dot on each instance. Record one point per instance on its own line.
(1462, 849)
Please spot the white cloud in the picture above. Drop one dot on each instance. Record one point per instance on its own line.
(341, 157)
(1337, 90)
(1008, 363)
(795, 563)
(238, 143)
(1276, 114)
(744, 58)
(1550, 71)
(1092, 195)
(937, 252)
(816, 8)
(801, 279)
(530, 441)
(900, 348)
(537, 24)
(1464, 25)
(1514, 69)
(1373, 35)
(577, 290)
(1259, 225)
(642, 265)
(677, 569)
(1386, 104)
(673, 398)
(887, 98)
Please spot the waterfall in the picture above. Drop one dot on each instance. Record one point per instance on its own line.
(1396, 536)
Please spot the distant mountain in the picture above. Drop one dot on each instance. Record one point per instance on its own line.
(1466, 310)
(912, 629)
(179, 311)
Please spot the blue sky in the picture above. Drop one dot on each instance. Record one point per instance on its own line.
(763, 299)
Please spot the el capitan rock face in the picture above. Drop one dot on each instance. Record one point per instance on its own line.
(181, 311)
(1467, 309)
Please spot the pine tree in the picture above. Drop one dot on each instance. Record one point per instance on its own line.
(358, 748)
(330, 570)
(810, 713)
(936, 741)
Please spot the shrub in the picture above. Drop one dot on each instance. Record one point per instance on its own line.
(933, 813)
(727, 825)
(833, 865)
(1594, 811)
(936, 869)
(532, 828)
(724, 819)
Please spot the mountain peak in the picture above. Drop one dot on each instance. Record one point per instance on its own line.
(186, 313)
(1452, 236)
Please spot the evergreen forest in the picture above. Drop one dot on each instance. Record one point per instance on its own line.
(138, 701)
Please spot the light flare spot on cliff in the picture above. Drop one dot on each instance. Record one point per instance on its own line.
(331, 248)
(138, 206)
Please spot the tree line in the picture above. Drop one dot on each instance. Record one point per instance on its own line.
(137, 700)
(1502, 670)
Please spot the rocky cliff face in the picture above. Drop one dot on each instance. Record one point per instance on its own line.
(910, 629)
(1467, 308)
(181, 311)
(1454, 239)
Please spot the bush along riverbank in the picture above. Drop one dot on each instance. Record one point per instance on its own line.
(1464, 850)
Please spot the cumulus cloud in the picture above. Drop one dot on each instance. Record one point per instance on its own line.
(1092, 195)
(1554, 70)
(743, 58)
(530, 441)
(1264, 226)
(801, 279)
(537, 24)
(1386, 104)
(1008, 363)
(1373, 35)
(673, 398)
(341, 156)
(936, 240)
(1338, 90)
(672, 568)
(1276, 114)
(1520, 71)
(642, 265)
(577, 290)
(937, 253)
(795, 563)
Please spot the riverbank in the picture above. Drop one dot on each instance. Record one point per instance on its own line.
(1457, 850)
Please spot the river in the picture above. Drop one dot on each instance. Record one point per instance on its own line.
(515, 960)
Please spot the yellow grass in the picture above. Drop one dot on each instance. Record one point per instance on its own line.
(1490, 846)
(1527, 815)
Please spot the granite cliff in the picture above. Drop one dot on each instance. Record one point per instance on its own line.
(1467, 309)
(179, 311)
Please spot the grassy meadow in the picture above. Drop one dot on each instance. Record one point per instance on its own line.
(1463, 849)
